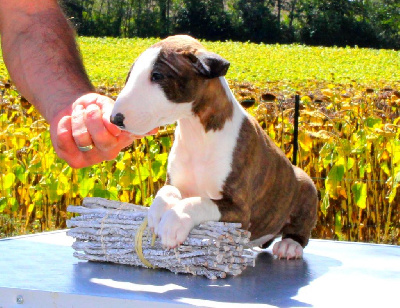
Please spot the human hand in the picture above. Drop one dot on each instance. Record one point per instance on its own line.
(83, 135)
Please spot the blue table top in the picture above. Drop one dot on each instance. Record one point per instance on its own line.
(332, 274)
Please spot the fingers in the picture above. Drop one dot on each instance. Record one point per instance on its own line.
(80, 132)
(64, 136)
(91, 125)
(105, 104)
(101, 137)
(86, 124)
(64, 143)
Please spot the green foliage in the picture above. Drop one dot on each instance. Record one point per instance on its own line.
(371, 23)
(108, 60)
(256, 21)
(336, 23)
(199, 17)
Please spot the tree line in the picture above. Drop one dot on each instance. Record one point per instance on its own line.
(365, 23)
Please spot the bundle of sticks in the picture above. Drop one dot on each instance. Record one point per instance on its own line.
(113, 231)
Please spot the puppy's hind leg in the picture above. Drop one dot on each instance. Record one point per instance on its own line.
(288, 249)
(296, 233)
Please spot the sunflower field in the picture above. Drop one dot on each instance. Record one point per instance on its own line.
(349, 136)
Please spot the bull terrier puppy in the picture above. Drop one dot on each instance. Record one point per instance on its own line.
(222, 165)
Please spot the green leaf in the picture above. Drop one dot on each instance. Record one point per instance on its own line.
(30, 208)
(371, 122)
(8, 180)
(85, 186)
(113, 193)
(392, 194)
(336, 173)
(140, 176)
(3, 204)
(148, 201)
(38, 198)
(156, 168)
(338, 224)
(360, 194)
(19, 172)
(393, 191)
(163, 157)
(13, 203)
(53, 196)
(138, 196)
(346, 147)
(166, 142)
(328, 154)
(386, 168)
(350, 163)
(325, 202)
(99, 191)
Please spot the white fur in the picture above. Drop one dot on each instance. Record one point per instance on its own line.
(143, 103)
(177, 222)
(199, 163)
(167, 197)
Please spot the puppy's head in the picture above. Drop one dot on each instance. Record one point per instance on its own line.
(164, 82)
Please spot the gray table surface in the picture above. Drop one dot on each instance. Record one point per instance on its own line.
(41, 269)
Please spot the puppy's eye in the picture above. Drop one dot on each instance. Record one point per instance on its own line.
(156, 76)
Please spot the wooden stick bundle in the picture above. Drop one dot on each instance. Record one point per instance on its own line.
(112, 231)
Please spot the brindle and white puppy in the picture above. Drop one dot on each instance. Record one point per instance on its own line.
(222, 165)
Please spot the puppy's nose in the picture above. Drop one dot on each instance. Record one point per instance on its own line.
(118, 120)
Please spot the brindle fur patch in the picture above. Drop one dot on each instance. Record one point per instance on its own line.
(264, 189)
(212, 106)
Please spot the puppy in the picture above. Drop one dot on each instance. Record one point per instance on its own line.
(222, 165)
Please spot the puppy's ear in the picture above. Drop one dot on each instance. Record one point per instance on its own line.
(209, 64)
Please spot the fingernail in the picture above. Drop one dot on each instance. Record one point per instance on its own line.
(92, 107)
(78, 109)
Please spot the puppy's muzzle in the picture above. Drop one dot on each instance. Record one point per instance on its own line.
(118, 120)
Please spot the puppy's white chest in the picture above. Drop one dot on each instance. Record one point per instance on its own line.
(199, 165)
(199, 178)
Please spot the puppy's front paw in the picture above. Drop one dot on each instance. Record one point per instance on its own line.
(166, 198)
(174, 228)
(288, 249)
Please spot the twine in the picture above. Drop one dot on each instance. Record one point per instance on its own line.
(139, 243)
(103, 245)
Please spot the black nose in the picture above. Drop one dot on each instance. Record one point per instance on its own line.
(118, 120)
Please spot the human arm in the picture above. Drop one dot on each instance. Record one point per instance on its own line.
(40, 52)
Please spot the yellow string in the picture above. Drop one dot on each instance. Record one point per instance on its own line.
(139, 242)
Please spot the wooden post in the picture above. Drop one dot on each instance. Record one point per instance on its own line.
(296, 129)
